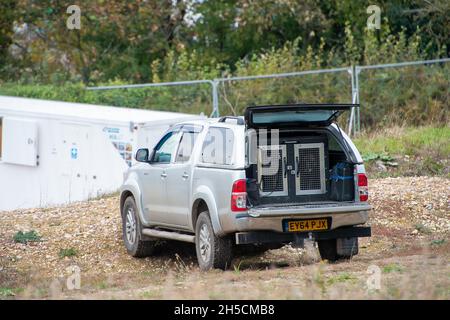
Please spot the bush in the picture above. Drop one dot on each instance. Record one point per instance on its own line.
(70, 252)
(25, 237)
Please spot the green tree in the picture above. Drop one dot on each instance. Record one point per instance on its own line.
(7, 17)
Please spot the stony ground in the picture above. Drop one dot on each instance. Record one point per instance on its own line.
(409, 249)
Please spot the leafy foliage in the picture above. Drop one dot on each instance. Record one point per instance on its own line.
(154, 41)
(25, 237)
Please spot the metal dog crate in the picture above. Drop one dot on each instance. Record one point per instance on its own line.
(309, 168)
(295, 168)
(272, 175)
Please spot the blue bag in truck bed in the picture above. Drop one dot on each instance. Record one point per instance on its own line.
(342, 183)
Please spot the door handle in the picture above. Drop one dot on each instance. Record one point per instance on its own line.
(185, 176)
(163, 175)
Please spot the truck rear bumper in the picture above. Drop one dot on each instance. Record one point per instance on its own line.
(245, 222)
(253, 237)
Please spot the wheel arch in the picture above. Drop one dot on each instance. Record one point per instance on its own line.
(198, 207)
(204, 198)
(123, 196)
(133, 191)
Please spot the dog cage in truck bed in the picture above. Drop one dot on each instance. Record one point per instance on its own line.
(296, 167)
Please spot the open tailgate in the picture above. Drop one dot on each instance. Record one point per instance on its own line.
(295, 115)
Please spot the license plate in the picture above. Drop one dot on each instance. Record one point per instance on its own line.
(306, 225)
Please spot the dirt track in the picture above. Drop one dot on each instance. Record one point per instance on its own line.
(410, 246)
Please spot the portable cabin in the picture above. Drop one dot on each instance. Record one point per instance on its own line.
(54, 152)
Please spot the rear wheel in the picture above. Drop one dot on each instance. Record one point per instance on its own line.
(328, 250)
(131, 231)
(212, 251)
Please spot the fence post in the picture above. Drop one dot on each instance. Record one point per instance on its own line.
(215, 99)
(351, 120)
(354, 123)
(358, 112)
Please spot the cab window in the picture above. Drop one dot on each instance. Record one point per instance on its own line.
(187, 143)
(218, 146)
(166, 148)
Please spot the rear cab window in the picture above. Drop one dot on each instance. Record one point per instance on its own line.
(189, 135)
(218, 146)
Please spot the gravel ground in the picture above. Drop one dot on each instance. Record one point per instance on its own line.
(411, 219)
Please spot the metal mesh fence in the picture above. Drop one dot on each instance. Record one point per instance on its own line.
(186, 97)
(417, 94)
(235, 94)
(411, 92)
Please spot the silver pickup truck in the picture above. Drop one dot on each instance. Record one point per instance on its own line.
(278, 175)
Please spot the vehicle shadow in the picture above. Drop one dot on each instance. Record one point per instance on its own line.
(169, 249)
(242, 265)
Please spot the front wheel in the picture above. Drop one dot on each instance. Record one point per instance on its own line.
(212, 251)
(131, 231)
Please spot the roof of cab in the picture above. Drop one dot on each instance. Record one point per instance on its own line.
(209, 121)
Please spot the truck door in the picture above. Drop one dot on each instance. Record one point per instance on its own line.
(153, 179)
(179, 178)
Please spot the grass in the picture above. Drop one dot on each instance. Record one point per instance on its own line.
(438, 242)
(418, 150)
(422, 228)
(237, 268)
(25, 237)
(9, 292)
(320, 282)
(392, 267)
(405, 141)
(102, 196)
(342, 277)
(102, 285)
(150, 294)
(70, 252)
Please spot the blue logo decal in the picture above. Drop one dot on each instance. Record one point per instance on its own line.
(74, 153)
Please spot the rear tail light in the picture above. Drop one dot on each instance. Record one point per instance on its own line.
(239, 195)
(363, 187)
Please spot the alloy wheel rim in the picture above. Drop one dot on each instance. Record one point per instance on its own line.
(205, 243)
(130, 226)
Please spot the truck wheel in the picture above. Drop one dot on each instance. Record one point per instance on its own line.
(131, 231)
(338, 249)
(328, 250)
(212, 251)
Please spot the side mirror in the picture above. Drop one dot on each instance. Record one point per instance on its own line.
(142, 155)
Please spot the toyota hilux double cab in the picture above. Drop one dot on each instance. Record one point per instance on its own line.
(279, 175)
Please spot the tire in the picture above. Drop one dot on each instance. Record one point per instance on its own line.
(212, 251)
(131, 231)
(328, 250)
